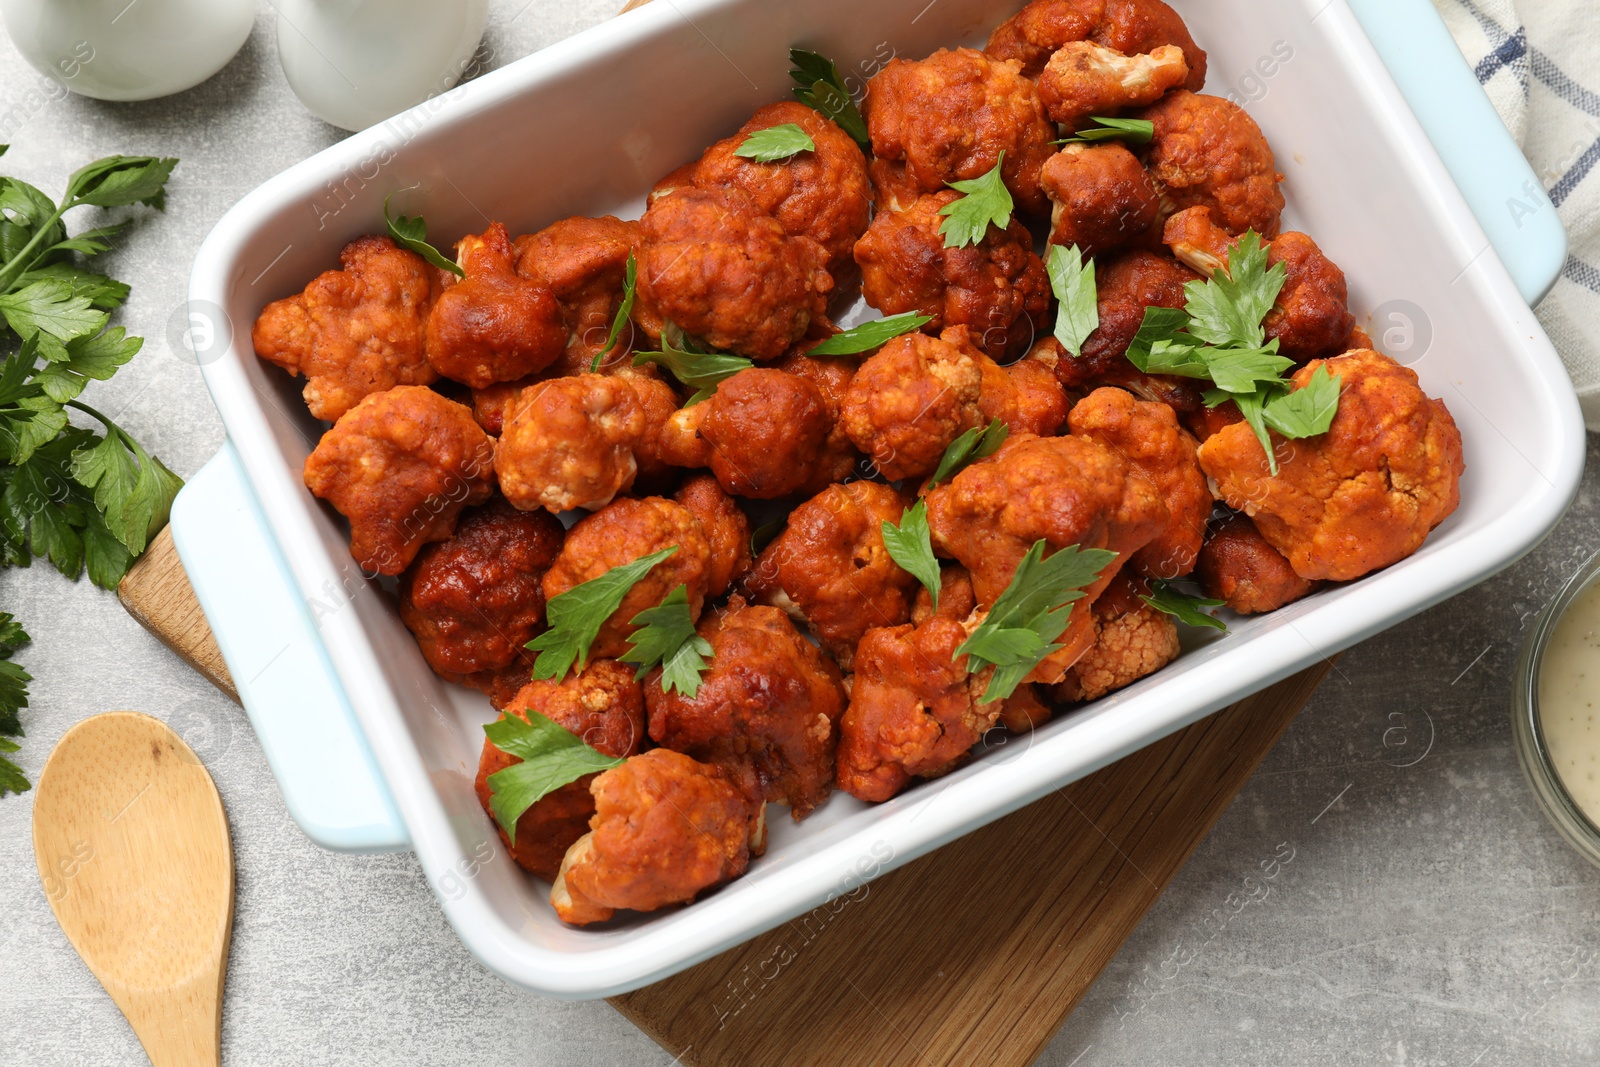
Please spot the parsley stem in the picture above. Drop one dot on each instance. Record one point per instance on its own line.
(19, 264)
(111, 427)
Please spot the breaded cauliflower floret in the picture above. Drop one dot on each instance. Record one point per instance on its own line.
(493, 325)
(1084, 79)
(1103, 198)
(401, 465)
(728, 274)
(1239, 567)
(665, 827)
(948, 118)
(1063, 490)
(570, 443)
(725, 526)
(1024, 395)
(1362, 496)
(584, 262)
(822, 194)
(1208, 152)
(766, 708)
(830, 570)
(354, 331)
(1148, 436)
(1035, 33)
(1132, 640)
(997, 288)
(914, 711)
(605, 707)
(1311, 317)
(913, 398)
(473, 601)
(622, 532)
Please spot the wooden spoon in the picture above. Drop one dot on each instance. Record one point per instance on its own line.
(133, 849)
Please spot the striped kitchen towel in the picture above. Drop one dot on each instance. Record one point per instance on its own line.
(1539, 61)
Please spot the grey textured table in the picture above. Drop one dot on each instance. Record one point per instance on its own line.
(1428, 914)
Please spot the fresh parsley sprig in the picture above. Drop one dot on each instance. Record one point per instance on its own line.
(1019, 631)
(1078, 308)
(630, 292)
(1134, 131)
(72, 496)
(819, 87)
(575, 617)
(910, 545)
(871, 335)
(699, 370)
(13, 697)
(551, 756)
(987, 202)
(667, 637)
(412, 234)
(980, 442)
(776, 143)
(1185, 607)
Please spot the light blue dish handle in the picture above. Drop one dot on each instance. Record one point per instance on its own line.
(307, 728)
(1488, 167)
(312, 741)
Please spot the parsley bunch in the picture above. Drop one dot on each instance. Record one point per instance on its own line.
(84, 500)
(13, 697)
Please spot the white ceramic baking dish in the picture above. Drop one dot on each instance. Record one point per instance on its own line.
(586, 127)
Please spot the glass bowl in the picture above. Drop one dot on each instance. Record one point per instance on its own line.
(1527, 727)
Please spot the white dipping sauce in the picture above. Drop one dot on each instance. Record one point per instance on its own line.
(1569, 700)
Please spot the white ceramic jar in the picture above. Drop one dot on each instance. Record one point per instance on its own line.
(354, 63)
(122, 50)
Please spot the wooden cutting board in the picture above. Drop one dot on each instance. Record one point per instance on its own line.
(975, 954)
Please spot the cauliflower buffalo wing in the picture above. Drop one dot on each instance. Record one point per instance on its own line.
(830, 570)
(1103, 198)
(1148, 436)
(822, 194)
(354, 331)
(570, 442)
(1131, 27)
(766, 709)
(1208, 152)
(1024, 395)
(473, 601)
(665, 827)
(997, 288)
(726, 529)
(1363, 495)
(622, 532)
(1084, 79)
(493, 325)
(1063, 490)
(1131, 640)
(1239, 567)
(914, 711)
(910, 400)
(401, 465)
(584, 262)
(1311, 317)
(948, 118)
(605, 707)
(727, 274)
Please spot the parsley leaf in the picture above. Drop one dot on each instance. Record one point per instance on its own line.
(1072, 281)
(13, 697)
(117, 181)
(776, 143)
(107, 294)
(987, 202)
(1244, 370)
(980, 442)
(668, 637)
(630, 292)
(576, 616)
(1227, 308)
(551, 756)
(701, 371)
(1308, 410)
(911, 546)
(870, 335)
(1166, 598)
(820, 88)
(1135, 131)
(131, 489)
(412, 233)
(1025, 620)
(50, 307)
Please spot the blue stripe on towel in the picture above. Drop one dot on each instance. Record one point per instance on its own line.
(1507, 52)
(1575, 175)
(1581, 273)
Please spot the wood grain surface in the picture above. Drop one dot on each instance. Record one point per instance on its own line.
(133, 850)
(156, 592)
